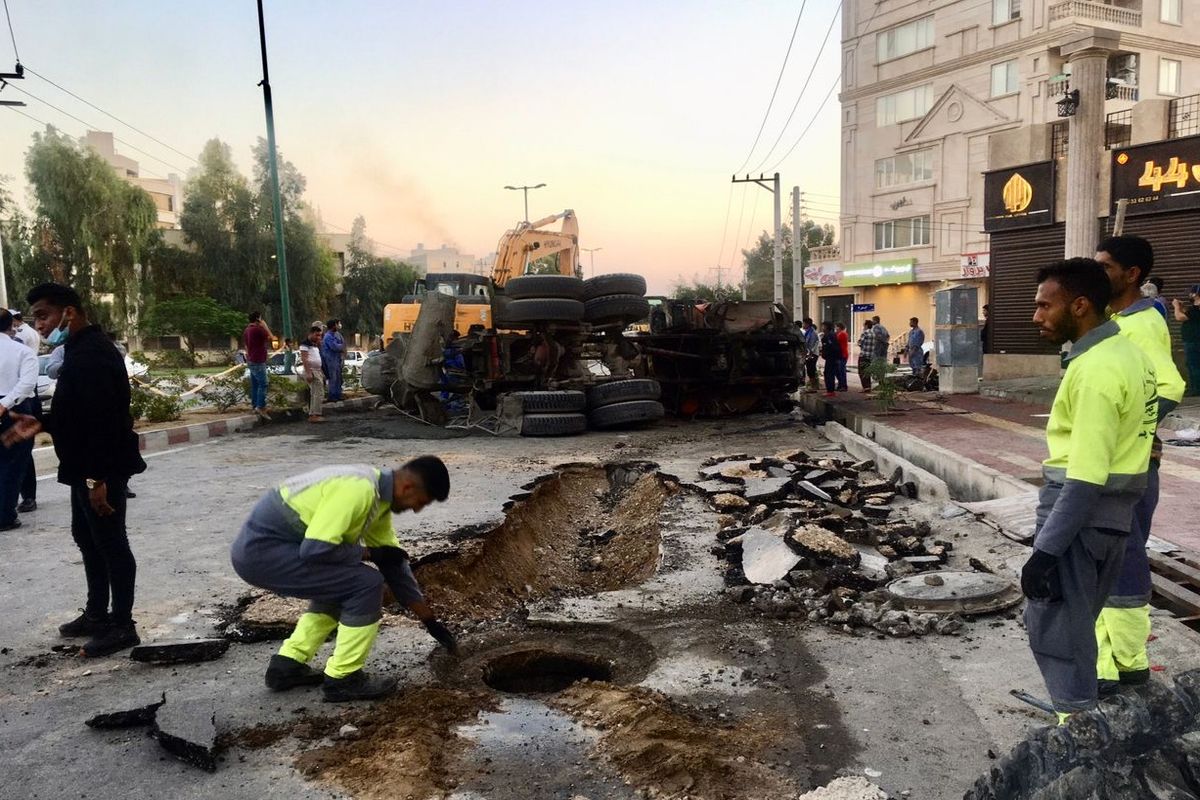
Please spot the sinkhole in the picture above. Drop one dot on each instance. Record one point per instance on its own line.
(543, 671)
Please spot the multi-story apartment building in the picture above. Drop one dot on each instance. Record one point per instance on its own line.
(926, 85)
(167, 193)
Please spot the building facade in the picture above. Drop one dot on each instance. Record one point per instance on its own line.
(167, 193)
(441, 259)
(937, 92)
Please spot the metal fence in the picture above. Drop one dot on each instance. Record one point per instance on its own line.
(1118, 129)
(1058, 139)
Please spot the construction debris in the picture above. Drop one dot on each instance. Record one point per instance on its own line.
(766, 558)
(131, 718)
(187, 729)
(186, 651)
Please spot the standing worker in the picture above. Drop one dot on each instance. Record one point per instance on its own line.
(1189, 315)
(97, 454)
(333, 354)
(812, 353)
(1124, 625)
(1099, 436)
(306, 538)
(868, 343)
(914, 347)
(29, 337)
(257, 338)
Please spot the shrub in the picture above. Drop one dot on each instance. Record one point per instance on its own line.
(880, 371)
(226, 392)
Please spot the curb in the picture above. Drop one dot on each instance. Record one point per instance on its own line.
(929, 486)
(167, 438)
(966, 479)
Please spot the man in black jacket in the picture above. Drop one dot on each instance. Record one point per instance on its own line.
(97, 453)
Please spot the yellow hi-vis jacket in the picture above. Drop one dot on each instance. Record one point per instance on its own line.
(1099, 435)
(340, 509)
(1146, 328)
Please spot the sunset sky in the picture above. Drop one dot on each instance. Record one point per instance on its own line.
(415, 115)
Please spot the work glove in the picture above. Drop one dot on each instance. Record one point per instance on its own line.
(440, 632)
(1038, 577)
(387, 555)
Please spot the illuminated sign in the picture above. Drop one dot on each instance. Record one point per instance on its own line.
(1018, 197)
(976, 265)
(1157, 177)
(869, 273)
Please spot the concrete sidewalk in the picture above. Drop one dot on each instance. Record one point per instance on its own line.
(1001, 435)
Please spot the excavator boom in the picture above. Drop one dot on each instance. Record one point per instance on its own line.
(527, 242)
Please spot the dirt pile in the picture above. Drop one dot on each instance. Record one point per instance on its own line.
(669, 750)
(403, 747)
(584, 530)
(820, 541)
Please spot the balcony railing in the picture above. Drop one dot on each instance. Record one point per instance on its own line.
(1125, 93)
(831, 252)
(1096, 12)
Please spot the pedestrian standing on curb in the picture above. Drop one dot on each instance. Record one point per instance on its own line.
(883, 339)
(29, 337)
(97, 453)
(812, 353)
(1124, 624)
(1153, 288)
(867, 344)
(844, 343)
(831, 351)
(310, 360)
(914, 346)
(1099, 435)
(18, 387)
(257, 338)
(307, 538)
(1189, 315)
(333, 353)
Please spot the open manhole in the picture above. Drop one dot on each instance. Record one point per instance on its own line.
(545, 657)
(962, 592)
(542, 671)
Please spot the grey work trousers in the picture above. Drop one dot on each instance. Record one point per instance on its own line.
(1062, 630)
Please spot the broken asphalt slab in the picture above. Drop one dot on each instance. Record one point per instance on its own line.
(186, 651)
(766, 557)
(131, 718)
(187, 729)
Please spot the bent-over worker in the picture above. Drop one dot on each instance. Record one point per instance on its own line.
(307, 538)
(1099, 434)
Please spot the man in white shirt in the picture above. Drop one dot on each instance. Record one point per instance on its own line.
(310, 360)
(18, 386)
(25, 333)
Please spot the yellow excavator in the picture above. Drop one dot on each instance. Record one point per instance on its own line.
(518, 248)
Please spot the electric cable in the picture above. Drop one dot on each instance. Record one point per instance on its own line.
(11, 33)
(778, 80)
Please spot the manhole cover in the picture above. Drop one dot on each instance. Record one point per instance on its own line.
(964, 592)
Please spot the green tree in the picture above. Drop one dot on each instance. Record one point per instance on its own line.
(704, 292)
(760, 268)
(193, 318)
(370, 284)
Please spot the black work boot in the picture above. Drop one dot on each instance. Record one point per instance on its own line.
(356, 686)
(1107, 688)
(27, 505)
(1136, 677)
(118, 636)
(285, 673)
(86, 624)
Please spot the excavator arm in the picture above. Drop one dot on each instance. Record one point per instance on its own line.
(527, 242)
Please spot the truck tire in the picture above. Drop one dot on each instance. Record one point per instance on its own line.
(544, 309)
(527, 287)
(627, 414)
(616, 283)
(614, 308)
(553, 424)
(623, 391)
(551, 401)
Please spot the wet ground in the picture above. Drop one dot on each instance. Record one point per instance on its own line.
(687, 693)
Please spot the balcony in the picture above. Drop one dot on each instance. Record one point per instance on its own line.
(831, 252)
(1096, 12)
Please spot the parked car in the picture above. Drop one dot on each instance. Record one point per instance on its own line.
(46, 384)
(354, 360)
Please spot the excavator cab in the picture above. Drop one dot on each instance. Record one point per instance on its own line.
(472, 295)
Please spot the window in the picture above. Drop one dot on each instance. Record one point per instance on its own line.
(1171, 11)
(1005, 11)
(901, 106)
(1168, 75)
(1004, 78)
(897, 233)
(904, 39)
(904, 168)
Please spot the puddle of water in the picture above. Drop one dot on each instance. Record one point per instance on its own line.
(527, 749)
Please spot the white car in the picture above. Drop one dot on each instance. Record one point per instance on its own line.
(46, 384)
(354, 360)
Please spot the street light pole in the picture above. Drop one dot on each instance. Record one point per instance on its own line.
(276, 201)
(591, 251)
(525, 189)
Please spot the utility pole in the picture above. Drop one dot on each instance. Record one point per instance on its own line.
(276, 200)
(773, 188)
(797, 261)
(591, 251)
(525, 189)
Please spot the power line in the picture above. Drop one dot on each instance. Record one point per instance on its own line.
(803, 89)
(111, 115)
(803, 133)
(12, 34)
(778, 80)
(725, 230)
